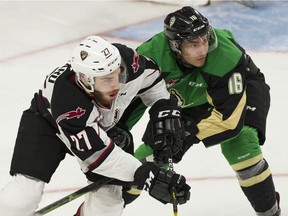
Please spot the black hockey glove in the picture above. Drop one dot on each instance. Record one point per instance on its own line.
(191, 130)
(122, 138)
(165, 130)
(159, 183)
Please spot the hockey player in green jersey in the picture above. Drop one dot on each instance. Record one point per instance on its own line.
(224, 97)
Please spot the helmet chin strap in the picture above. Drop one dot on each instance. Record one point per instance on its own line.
(90, 81)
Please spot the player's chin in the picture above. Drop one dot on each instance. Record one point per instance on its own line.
(200, 62)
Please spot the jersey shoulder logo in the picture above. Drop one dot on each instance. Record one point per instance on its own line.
(71, 114)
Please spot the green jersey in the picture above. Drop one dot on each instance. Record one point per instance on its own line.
(214, 95)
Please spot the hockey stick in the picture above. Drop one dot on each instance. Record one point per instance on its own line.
(175, 207)
(171, 168)
(94, 186)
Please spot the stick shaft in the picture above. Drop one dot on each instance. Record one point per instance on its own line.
(175, 207)
(94, 186)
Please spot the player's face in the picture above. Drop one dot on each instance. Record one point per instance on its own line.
(194, 52)
(107, 87)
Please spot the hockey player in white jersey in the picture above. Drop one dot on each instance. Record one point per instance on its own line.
(76, 112)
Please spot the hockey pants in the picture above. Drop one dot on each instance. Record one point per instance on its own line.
(21, 196)
(105, 201)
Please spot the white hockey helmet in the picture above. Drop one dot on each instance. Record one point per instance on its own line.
(94, 57)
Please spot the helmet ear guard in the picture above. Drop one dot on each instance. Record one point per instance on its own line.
(88, 86)
(213, 40)
(94, 57)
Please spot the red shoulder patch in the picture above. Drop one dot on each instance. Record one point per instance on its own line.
(71, 114)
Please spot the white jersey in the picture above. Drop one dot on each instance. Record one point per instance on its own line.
(82, 123)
